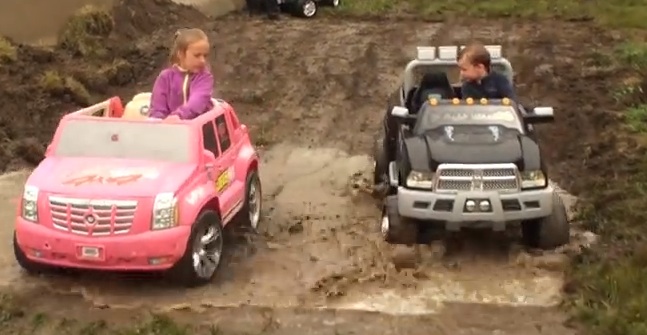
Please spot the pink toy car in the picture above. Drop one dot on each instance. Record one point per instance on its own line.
(123, 194)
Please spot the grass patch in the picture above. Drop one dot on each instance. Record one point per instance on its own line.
(85, 32)
(609, 286)
(619, 13)
(59, 85)
(8, 51)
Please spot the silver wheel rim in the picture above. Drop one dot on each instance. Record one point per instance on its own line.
(254, 203)
(309, 8)
(335, 3)
(207, 250)
(384, 226)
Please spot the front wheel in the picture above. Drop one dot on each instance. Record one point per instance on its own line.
(550, 232)
(31, 267)
(306, 8)
(203, 252)
(395, 228)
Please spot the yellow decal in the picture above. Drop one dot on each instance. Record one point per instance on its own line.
(223, 181)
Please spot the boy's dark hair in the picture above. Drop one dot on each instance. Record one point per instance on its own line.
(476, 54)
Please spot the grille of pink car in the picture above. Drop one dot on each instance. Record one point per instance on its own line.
(92, 217)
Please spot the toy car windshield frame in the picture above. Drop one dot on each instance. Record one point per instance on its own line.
(445, 56)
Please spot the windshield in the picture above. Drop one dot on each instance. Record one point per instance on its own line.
(431, 117)
(129, 140)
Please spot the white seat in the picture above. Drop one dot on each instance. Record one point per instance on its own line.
(138, 107)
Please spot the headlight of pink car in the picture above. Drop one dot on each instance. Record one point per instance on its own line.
(29, 204)
(165, 211)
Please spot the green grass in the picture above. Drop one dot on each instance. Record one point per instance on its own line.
(608, 282)
(618, 13)
(8, 51)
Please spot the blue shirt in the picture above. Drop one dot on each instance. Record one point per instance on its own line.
(492, 86)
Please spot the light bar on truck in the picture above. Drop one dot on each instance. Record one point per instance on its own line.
(450, 52)
(426, 53)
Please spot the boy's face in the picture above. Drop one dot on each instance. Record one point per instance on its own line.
(195, 57)
(469, 71)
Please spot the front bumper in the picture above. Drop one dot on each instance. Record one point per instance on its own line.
(150, 251)
(450, 208)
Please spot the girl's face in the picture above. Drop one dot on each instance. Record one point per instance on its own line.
(194, 59)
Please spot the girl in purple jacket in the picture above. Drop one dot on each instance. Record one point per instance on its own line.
(183, 91)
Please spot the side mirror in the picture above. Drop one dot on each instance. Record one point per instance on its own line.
(540, 115)
(401, 112)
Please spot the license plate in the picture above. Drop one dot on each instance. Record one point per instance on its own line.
(92, 253)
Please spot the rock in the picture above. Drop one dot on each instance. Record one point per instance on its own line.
(404, 257)
(589, 238)
(543, 69)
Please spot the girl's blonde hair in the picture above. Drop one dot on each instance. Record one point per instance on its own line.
(181, 41)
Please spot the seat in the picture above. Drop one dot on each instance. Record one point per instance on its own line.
(433, 84)
(138, 107)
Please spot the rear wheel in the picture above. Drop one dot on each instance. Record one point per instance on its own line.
(250, 214)
(380, 175)
(332, 3)
(203, 252)
(305, 8)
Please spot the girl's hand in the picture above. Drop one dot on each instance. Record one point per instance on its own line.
(172, 118)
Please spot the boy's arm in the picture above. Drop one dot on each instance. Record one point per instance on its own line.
(200, 95)
(468, 90)
(159, 97)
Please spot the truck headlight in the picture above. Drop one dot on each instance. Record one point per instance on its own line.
(29, 204)
(417, 179)
(533, 179)
(165, 211)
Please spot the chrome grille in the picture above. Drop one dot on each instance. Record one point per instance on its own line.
(92, 217)
(477, 177)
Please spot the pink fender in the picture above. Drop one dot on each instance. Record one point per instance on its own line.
(199, 197)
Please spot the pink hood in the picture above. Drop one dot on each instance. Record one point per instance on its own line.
(109, 177)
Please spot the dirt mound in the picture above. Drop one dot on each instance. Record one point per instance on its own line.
(96, 55)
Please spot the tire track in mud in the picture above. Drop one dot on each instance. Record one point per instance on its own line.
(320, 104)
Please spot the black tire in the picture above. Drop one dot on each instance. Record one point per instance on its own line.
(300, 8)
(380, 175)
(332, 3)
(31, 267)
(400, 230)
(244, 218)
(183, 271)
(549, 232)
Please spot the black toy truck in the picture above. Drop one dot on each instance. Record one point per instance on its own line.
(456, 163)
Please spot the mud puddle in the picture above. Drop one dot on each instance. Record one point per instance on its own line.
(320, 248)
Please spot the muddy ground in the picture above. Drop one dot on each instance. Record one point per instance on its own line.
(313, 93)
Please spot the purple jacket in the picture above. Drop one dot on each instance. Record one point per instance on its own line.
(176, 92)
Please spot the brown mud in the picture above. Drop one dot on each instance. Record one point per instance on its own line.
(313, 94)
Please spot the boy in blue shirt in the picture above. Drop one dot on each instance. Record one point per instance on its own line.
(478, 82)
